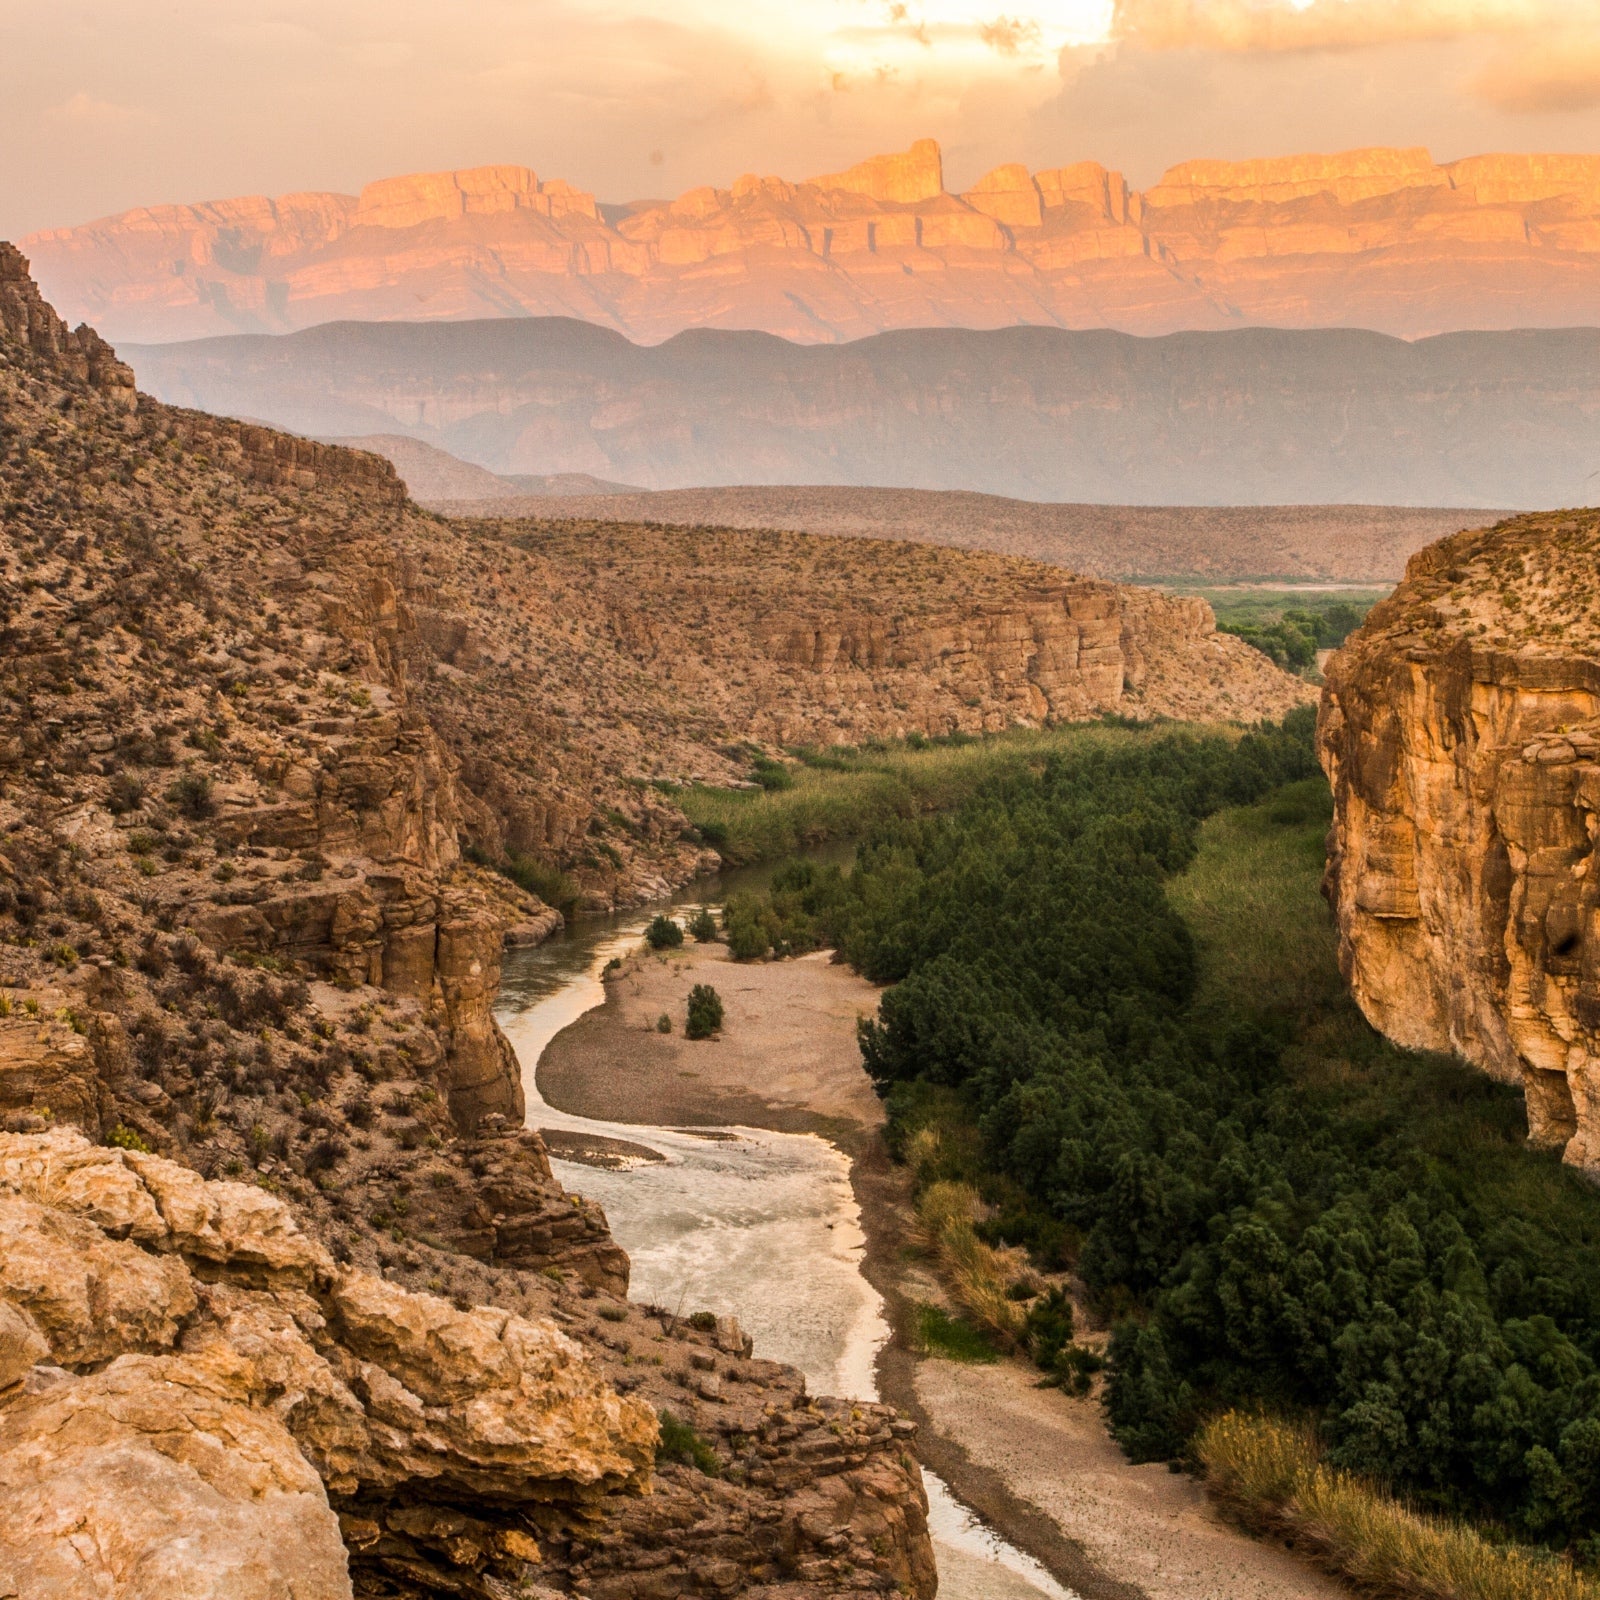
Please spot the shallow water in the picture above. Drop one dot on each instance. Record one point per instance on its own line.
(757, 1224)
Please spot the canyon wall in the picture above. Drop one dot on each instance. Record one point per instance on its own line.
(1460, 729)
(1247, 417)
(290, 1300)
(1385, 239)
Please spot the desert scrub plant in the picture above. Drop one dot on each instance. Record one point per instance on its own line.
(663, 933)
(703, 926)
(190, 792)
(1271, 1475)
(977, 1274)
(679, 1442)
(705, 1012)
(124, 1138)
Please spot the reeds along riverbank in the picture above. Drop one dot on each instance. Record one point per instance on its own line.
(836, 794)
(1270, 1474)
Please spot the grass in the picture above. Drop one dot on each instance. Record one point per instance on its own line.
(839, 794)
(1267, 946)
(954, 1338)
(1270, 1473)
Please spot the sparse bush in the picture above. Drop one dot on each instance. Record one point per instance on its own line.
(679, 1442)
(190, 792)
(663, 1023)
(705, 1012)
(125, 1138)
(124, 793)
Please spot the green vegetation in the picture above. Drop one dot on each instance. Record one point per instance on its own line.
(1128, 1032)
(679, 1442)
(663, 933)
(703, 926)
(954, 1338)
(705, 1012)
(1273, 1476)
(1291, 633)
(841, 792)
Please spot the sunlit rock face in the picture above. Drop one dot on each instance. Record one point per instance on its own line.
(1384, 239)
(1461, 731)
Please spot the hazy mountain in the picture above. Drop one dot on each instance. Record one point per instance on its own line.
(1384, 239)
(1253, 416)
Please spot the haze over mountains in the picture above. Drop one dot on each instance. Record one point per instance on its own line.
(1254, 416)
(1380, 238)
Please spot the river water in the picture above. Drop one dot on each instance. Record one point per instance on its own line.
(757, 1224)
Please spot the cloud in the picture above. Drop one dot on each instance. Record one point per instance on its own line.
(1009, 36)
(1550, 74)
(1280, 25)
(83, 110)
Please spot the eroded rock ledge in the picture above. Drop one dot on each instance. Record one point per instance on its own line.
(196, 1399)
(1461, 732)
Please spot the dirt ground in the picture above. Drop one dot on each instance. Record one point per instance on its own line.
(786, 1057)
(1039, 1466)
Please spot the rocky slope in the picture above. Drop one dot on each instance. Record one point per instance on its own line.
(1461, 731)
(281, 1275)
(1221, 544)
(1245, 417)
(1384, 239)
(275, 1249)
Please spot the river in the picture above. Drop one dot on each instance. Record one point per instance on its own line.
(758, 1224)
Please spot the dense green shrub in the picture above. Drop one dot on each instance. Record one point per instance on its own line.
(705, 1012)
(703, 926)
(1304, 1242)
(663, 933)
(680, 1442)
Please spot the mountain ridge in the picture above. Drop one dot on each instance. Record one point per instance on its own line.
(1247, 416)
(1380, 238)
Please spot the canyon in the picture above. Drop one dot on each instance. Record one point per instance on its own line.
(1386, 239)
(1242, 417)
(276, 1240)
(1460, 729)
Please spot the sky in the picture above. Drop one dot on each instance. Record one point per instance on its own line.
(110, 104)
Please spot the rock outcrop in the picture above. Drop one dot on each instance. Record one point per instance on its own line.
(209, 1396)
(1385, 239)
(1461, 731)
(291, 1305)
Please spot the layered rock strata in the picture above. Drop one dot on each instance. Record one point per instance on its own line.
(1385, 239)
(288, 1325)
(1461, 731)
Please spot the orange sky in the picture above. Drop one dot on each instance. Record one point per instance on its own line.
(107, 104)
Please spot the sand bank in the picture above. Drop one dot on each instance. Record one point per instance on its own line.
(1035, 1463)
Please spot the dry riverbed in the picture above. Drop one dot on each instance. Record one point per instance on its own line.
(1037, 1464)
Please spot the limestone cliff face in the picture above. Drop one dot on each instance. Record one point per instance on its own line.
(1385, 239)
(1461, 731)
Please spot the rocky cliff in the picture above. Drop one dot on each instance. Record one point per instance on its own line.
(1461, 731)
(1385, 239)
(290, 1302)
(1245, 417)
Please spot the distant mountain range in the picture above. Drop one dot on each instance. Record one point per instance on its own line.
(1382, 239)
(1250, 417)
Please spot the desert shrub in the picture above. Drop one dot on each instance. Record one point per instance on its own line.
(540, 878)
(679, 1442)
(663, 1023)
(124, 1138)
(124, 793)
(663, 933)
(705, 1012)
(190, 792)
(703, 926)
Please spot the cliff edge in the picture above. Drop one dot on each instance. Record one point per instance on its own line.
(1460, 729)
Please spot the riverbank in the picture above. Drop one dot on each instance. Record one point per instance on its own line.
(1036, 1464)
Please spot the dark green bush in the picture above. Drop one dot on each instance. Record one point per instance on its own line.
(703, 926)
(705, 1012)
(679, 1442)
(663, 933)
